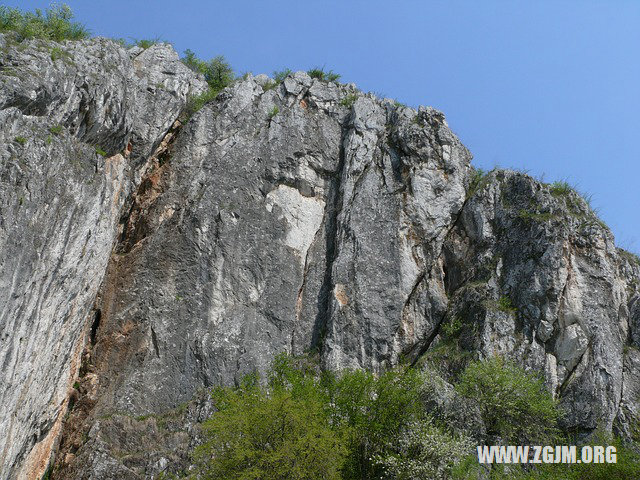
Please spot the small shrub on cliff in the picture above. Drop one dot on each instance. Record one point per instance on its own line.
(196, 102)
(349, 100)
(515, 405)
(478, 181)
(280, 75)
(273, 112)
(560, 188)
(218, 74)
(321, 75)
(55, 23)
(217, 71)
(147, 42)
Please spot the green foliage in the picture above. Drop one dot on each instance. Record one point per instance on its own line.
(269, 85)
(280, 75)
(452, 328)
(447, 358)
(571, 197)
(147, 42)
(217, 71)
(424, 450)
(321, 75)
(278, 78)
(218, 74)
(377, 410)
(515, 405)
(629, 256)
(57, 53)
(560, 188)
(100, 152)
(196, 102)
(351, 425)
(55, 23)
(505, 305)
(143, 43)
(273, 112)
(21, 140)
(280, 431)
(56, 129)
(627, 467)
(167, 476)
(349, 100)
(535, 216)
(478, 181)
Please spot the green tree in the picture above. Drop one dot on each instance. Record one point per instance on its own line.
(278, 432)
(423, 450)
(376, 410)
(304, 423)
(218, 74)
(515, 405)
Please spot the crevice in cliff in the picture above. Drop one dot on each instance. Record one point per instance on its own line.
(332, 211)
(421, 349)
(137, 224)
(95, 325)
(154, 340)
(300, 296)
(571, 374)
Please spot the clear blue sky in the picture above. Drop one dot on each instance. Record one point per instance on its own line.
(552, 87)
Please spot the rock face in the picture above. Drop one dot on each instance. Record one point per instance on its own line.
(305, 217)
(520, 262)
(60, 202)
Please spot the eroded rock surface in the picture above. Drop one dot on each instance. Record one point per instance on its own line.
(67, 114)
(520, 261)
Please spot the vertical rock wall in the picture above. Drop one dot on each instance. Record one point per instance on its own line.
(67, 114)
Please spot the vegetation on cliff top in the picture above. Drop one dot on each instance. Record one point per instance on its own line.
(55, 23)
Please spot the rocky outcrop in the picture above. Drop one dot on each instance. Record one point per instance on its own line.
(520, 261)
(69, 112)
(305, 217)
(265, 234)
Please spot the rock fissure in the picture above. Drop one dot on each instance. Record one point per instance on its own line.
(333, 209)
(135, 225)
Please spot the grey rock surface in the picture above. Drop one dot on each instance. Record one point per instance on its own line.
(251, 240)
(68, 114)
(535, 277)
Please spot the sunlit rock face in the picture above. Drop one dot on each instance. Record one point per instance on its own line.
(147, 257)
(548, 289)
(66, 118)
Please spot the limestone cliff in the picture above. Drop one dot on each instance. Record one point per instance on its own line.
(145, 258)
